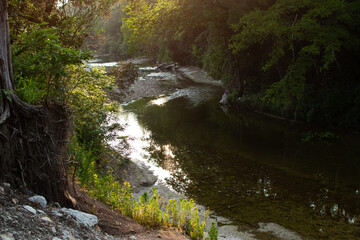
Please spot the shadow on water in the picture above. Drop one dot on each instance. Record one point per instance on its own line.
(252, 169)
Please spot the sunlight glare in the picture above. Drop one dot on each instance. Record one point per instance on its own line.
(160, 101)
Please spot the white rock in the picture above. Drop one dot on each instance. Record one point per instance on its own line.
(81, 217)
(2, 190)
(8, 236)
(56, 238)
(46, 219)
(53, 230)
(66, 235)
(39, 200)
(30, 209)
(7, 185)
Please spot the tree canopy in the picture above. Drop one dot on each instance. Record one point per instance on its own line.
(297, 58)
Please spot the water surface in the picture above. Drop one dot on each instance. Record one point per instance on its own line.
(247, 167)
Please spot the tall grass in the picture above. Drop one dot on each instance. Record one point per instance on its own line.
(152, 211)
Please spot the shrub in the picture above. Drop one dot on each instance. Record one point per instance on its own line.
(40, 62)
(88, 102)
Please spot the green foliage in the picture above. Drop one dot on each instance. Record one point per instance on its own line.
(308, 34)
(311, 136)
(5, 93)
(108, 35)
(148, 211)
(172, 213)
(73, 18)
(233, 96)
(189, 219)
(47, 72)
(32, 89)
(288, 51)
(101, 184)
(87, 98)
(126, 201)
(213, 233)
(39, 63)
(147, 20)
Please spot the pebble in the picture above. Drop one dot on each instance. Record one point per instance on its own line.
(53, 230)
(46, 219)
(7, 185)
(2, 190)
(41, 212)
(38, 200)
(57, 205)
(57, 213)
(30, 209)
(67, 235)
(15, 201)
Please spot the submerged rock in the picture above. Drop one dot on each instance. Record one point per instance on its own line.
(279, 231)
(230, 232)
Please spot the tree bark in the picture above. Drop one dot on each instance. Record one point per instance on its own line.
(6, 74)
(6, 84)
(5, 56)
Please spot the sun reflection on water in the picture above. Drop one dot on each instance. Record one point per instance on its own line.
(160, 101)
(139, 141)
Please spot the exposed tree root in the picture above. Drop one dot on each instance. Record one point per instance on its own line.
(32, 140)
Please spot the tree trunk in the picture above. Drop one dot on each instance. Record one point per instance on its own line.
(5, 62)
(32, 138)
(6, 75)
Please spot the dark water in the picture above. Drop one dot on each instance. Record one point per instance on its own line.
(251, 168)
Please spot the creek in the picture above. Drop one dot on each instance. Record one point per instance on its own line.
(255, 173)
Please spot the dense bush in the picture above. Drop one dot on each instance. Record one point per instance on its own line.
(294, 58)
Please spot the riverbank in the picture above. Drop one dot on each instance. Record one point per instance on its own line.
(23, 218)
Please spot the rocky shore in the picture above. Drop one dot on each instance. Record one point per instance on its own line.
(27, 217)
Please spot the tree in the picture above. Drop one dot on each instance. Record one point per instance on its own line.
(74, 18)
(6, 85)
(6, 75)
(307, 43)
(27, 157)
(33, 138)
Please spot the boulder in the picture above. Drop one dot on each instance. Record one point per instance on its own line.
(86, 219)
(38, 200)
(8, 236)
